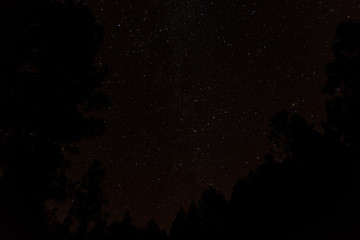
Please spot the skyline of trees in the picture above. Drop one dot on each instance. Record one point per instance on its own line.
(307, 188)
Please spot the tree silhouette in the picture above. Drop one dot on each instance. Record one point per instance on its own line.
(193, 221)
(47, 92)
(86, 218)
(313, 185)
(213, 209)
(178, 227)
(123, 229)
(343, 84)
(187, 225)
(205, 220)
(152, 231)
(342, 124)
(308, 186)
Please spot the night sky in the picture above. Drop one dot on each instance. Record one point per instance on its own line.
(193, 85)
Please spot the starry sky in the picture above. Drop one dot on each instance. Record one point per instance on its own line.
(193, 85)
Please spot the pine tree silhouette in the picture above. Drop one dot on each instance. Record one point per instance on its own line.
(178, 227)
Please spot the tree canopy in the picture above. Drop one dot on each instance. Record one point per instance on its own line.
(48, 87)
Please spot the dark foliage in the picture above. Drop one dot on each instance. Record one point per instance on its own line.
(308, 186)
(48, 84)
